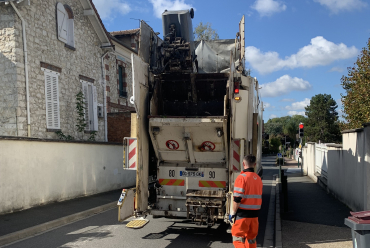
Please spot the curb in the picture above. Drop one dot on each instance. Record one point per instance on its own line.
(278, 236)
(268, 240)
(32, 231)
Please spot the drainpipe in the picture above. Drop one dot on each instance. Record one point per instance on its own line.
(105, 98)
(25, 68)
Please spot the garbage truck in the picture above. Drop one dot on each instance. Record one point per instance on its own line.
(198, 113)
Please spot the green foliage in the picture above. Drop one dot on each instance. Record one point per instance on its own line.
(273, 128)
(205, 32)
(62, 136)
(92, 136)
(81, 122)
(80, 107)
(274, 144)
(356, 103)
(285, 126)
(291, 126)
(322, 122)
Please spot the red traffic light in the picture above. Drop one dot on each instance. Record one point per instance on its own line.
(301, 126)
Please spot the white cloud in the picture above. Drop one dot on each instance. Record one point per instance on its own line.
(296, 113)
(268, 7)
(319, 52)
(299, 105)
(339, 103)
(284, 85)
(287, 100)
(266, 105)
(107, 9)
(273, 116)
(159, 6)
(337, 69)
(336, 6)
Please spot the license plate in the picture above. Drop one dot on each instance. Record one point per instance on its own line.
(191, 174)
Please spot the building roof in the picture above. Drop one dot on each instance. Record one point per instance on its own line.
(91, 12)
(121, 43)
(125, 32)
(101, 22)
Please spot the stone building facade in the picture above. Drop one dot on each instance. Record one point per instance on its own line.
(119, 88)
(60, 65)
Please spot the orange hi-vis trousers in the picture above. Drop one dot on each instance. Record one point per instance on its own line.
(244, 232)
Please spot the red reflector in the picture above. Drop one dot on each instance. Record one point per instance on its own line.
(236, 91)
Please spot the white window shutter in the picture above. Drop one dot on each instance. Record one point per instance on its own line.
(49, 101)
(56, 114)
(71, 39)
(52, 101)
(95, 109)
(85, 92)
(62, 23)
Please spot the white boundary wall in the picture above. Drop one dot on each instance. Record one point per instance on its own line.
(348, 168)
(40, 172)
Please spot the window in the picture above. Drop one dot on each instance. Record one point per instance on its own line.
(122, 81)
(65, 25)
(52, 99)
(91, 106)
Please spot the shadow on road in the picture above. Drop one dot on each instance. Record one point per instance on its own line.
(188, 234)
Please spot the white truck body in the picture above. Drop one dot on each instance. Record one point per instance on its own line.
(197, 158)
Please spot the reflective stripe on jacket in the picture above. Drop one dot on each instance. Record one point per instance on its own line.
(248, 186)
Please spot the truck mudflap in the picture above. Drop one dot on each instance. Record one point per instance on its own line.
(126, 204)
(126, 209)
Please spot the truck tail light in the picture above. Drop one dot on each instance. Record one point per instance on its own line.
(236, 87)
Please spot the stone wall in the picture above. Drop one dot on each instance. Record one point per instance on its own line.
(44, 46)
(117, 103)
(8, 73)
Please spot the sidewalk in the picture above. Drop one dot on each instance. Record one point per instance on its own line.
(314, 219)
(40, 219)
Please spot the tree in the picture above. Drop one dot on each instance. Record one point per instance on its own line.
(273, 129)
(322, 119)
(205, 32)
(291, 127)
(356, 104)
(274, 144)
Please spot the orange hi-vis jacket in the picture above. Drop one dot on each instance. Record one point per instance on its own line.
(248, 186)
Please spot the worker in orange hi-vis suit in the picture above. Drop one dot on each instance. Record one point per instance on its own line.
(246, 205)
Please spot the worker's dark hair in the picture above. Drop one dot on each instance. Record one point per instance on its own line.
(250, 159)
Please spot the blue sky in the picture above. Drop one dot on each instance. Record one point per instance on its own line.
(296, 49)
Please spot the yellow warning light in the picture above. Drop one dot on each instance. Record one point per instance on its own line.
(237, 98)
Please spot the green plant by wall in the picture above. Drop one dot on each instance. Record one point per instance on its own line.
(80, 107)
(81, 121)
(62, 136)
(92, 136)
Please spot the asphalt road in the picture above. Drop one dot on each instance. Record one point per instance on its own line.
(103, 230)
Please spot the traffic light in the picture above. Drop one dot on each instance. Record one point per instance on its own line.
(301, 127)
